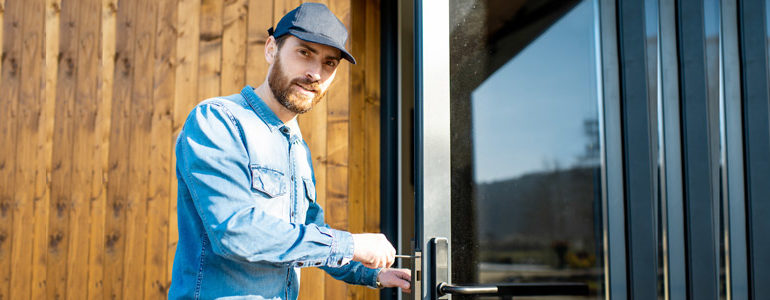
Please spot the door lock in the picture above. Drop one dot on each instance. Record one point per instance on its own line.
(439, 260)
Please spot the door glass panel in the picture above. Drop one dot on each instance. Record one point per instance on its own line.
(526, 151)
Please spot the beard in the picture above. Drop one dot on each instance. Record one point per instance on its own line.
(286, 90)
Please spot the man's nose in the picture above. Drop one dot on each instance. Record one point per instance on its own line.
(314, 72)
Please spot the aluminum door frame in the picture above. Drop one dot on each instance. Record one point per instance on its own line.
(433, 199)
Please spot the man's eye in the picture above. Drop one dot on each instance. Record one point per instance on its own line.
(303, 52)
(331, 63)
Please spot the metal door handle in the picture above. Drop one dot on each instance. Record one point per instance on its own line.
(439, 276)
(516, 289)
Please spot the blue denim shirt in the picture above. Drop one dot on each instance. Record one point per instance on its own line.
(247, 214)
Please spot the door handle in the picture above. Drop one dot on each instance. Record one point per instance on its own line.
(516, 289)
(439, 263)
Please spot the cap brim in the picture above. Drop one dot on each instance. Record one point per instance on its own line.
(319, 39)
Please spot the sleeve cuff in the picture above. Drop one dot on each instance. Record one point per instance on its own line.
(370, 280)
(341, 248)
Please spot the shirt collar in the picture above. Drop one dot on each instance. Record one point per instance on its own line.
(263, 111)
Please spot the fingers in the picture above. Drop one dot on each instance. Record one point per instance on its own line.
(399, 278)
(404, 274)
(405, 286)
(390, 260)
(373, 250)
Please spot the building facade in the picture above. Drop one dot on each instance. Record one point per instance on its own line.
(619, 149)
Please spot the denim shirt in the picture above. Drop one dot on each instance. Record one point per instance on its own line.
(247, 215)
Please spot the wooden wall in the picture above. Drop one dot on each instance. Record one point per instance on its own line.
(93, 94)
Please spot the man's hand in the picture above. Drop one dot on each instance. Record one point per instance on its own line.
(400, 278)
(373, 250)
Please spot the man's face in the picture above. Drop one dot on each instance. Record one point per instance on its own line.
(301, 73)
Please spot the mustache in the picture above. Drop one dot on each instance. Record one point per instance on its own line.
(308, 84)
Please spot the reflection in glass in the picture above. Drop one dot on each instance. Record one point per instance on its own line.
(526, 202)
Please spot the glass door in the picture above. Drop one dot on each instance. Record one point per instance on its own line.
(509, 169)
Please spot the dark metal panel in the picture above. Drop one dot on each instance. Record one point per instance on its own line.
(737, 268)
(756, 105)
(614, 204)
(389, 192)
(418, 128)
(702, 253)
(638, 142)
(672, 193)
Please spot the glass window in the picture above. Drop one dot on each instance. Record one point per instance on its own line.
(526, 184)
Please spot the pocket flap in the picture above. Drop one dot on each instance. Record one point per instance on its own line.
(309, 189)
(267, 181)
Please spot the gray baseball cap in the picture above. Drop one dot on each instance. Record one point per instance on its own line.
(315, 23)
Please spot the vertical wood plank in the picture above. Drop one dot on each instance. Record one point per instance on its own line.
(61, 173)
(100, 166)
(28, 127)
(2, 22)
(45, 142)
(358, 150)
(259, 20)
(139, 150)
(371, 64)
(84, 141)
(185, 98)
(282, 7)
(210, 56)
(118, 179)
(234, 24)
(371, 125)
(9, 94)
(187, 44)
(357, 176)
(337, 148)
(155, 283)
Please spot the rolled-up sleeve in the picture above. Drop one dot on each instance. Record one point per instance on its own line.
(214, 164)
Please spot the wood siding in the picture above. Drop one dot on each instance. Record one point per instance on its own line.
(94, 93)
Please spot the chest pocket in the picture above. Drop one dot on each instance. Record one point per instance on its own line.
(268, 181)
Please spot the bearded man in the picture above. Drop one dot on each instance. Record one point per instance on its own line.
(247, 212)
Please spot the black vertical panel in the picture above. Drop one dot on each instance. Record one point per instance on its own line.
(701, 253)
(638, 143)
(756, 105)
(389, 128)
(417, 137)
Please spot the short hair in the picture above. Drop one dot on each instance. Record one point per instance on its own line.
(280, 40)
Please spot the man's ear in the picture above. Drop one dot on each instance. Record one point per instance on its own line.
(271, 50)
